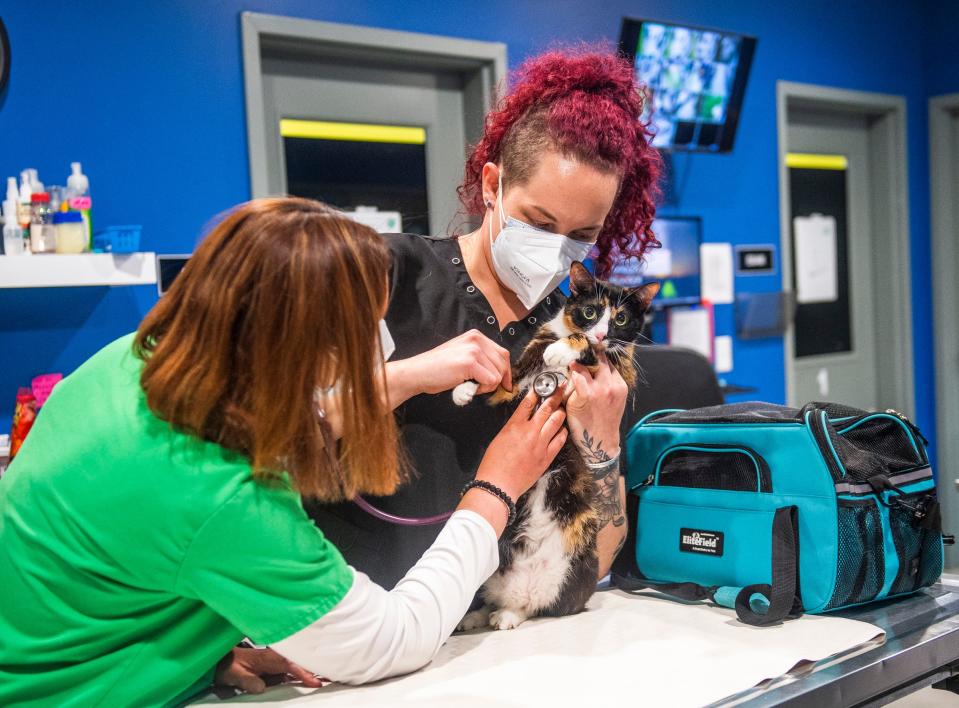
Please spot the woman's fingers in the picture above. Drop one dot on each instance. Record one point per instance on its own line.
(307, 678)
(485, 374)
(580, 380)
(553, 424)
(498, 359)
(525, 408)
(247, 681)
(556, 444)
(548, 406)
(502, 358)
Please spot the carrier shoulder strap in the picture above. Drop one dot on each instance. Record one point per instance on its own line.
(758, 605)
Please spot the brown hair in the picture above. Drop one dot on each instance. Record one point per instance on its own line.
(282, 297)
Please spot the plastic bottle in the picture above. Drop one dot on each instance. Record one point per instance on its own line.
(71, 233)
(24, 206)
(35, 184)
(13, 243)
(43, 236)
(78, 198)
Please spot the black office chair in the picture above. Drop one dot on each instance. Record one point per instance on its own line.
(670, 377)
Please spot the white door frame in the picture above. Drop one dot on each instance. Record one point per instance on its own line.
(943, 185)
(889, 203)
(483, 65)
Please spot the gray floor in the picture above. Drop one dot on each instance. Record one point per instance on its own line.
(928, 698)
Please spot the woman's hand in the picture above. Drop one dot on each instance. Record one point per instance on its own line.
(470, 356)
(595, 409)
(519, 455)
(244, 668)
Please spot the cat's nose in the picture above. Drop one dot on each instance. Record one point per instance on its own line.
(600, 336)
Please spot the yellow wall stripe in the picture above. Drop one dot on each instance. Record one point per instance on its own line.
(811, 161)
(362, 132)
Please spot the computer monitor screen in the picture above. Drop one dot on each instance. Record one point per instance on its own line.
(697, 78)
(675, 265)
(168, 268)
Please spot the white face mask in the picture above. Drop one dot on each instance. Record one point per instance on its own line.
(386, 341)
(529, 261)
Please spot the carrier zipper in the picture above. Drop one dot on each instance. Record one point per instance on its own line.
(645, 483)
(912, 426)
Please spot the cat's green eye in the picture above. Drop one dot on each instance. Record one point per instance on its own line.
(621, 319)
(589, 312)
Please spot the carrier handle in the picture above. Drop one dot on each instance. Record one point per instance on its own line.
(757, 605)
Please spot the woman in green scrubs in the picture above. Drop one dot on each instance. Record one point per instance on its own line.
(153, 517)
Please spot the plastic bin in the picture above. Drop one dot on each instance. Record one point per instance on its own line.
(118, 239)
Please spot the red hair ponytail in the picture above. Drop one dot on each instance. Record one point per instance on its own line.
(588, 105)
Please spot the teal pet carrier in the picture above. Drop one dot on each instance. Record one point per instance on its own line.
(775, 511)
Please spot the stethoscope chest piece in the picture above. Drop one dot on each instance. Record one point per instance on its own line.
(546, 383)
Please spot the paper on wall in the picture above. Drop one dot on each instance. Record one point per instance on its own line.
(716, 272)
(659, 262)
(692, 328)
(723, 347)
(384, 222)
(817, 267)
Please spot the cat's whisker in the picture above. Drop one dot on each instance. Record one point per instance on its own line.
(638, 336)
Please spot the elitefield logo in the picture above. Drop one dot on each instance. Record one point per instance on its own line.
(699, 541)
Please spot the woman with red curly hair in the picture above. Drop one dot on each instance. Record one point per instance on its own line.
(564, 167)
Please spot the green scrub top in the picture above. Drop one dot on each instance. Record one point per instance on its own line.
(133, 557)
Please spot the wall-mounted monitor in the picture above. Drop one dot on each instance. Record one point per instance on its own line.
(675, 265)
(697, 78)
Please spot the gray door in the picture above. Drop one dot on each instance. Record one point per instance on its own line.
(848, 371)
(944, 167)
(328, 89)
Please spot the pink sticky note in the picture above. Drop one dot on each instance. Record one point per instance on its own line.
(43, 385)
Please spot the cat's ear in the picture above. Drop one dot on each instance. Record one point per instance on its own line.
(644, 294)
(580, 279)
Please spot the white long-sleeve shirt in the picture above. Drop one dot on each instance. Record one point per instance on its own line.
(372, 634)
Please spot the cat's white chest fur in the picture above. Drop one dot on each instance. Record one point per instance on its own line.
(538, 570)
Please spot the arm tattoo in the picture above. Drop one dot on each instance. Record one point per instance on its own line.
(593, 451)
(609, 505)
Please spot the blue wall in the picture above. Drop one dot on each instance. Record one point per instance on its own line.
(149, 96)
(940, 48)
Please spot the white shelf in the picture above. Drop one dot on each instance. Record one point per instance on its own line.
(61, 271)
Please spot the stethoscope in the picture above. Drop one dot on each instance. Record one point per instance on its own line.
(545, 384)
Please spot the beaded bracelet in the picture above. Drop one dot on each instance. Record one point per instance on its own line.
(496, 492)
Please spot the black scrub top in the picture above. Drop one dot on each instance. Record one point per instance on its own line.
(432, 300)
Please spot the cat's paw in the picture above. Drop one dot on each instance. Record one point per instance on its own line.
(507, 619)
(560, 355)
(474, 620)
(463, 394)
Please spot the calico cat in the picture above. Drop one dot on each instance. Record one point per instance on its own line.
(548, 562)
